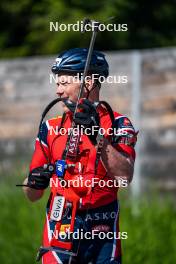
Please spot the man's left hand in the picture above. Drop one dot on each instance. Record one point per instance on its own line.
(86, 116)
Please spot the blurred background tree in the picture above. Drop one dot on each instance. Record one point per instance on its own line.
(24, 25)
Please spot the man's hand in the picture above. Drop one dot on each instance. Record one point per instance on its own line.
(86, 116)
(39, 178)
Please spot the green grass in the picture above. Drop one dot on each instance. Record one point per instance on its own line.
(151, 232)
(20, 228)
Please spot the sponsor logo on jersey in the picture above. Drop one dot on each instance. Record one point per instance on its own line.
(64, 229)
(101, 228)
(73, 146)
(60, 167)
(101, 216)
(57, 208)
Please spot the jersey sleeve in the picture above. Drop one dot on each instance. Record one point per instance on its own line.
(41, 149)
(125, 137)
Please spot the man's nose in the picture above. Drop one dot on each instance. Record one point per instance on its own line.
(60, 90)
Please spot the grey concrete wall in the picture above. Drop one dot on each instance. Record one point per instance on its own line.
(25, 89)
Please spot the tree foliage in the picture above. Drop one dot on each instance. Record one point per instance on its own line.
(25, 30)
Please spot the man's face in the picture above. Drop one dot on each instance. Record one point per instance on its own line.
(68, 86)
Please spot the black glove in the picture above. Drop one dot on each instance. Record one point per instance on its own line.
(87, 117)
(39, 178)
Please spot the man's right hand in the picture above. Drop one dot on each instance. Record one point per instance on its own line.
(39, 178)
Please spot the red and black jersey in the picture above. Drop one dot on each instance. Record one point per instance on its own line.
(54, 141)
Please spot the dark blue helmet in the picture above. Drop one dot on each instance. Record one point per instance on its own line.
(73, 61)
